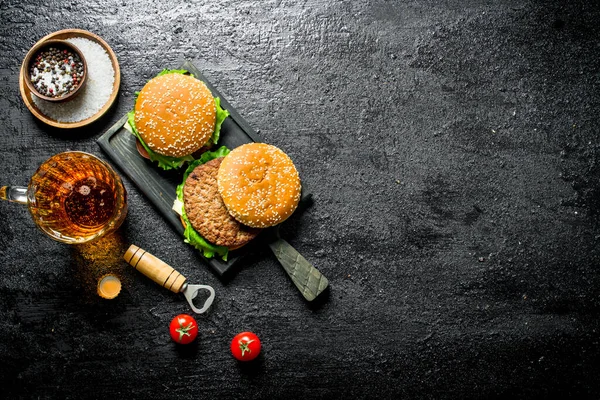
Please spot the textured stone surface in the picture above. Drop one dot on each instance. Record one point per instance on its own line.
(452, 150)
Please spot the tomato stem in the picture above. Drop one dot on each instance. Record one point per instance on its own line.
(244, 346)
(184, 330)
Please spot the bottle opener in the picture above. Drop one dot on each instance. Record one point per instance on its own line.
(166, 276)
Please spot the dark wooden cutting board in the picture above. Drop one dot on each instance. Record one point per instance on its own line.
(160, 186)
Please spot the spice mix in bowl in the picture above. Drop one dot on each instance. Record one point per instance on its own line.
(56, 70)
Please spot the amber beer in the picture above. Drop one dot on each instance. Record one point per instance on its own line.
(75, 197)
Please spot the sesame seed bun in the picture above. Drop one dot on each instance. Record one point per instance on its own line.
(207, 213)
(175, 114)
(259, 185)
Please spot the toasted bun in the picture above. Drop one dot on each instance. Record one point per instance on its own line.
(259, 185)
(207, 213)
(175, 114)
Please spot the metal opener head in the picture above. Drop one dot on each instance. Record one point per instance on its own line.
(191, 292)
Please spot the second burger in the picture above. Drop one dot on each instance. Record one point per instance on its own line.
(226, 198)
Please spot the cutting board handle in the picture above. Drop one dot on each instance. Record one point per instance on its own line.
(154, 268)
(305, 276)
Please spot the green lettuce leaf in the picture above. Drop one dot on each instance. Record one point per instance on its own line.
(190, 235)
(221, 115)
(172, 71)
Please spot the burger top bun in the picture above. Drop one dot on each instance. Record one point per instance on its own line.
(259, 185)
(175, 114)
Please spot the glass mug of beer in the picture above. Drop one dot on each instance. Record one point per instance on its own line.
(74, 197)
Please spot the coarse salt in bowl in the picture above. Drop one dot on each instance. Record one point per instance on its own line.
(101, 78)
(56, 70)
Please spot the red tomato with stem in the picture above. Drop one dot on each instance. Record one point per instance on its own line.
(183, 329)
(245, 346)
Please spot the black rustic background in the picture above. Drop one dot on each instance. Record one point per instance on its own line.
(452, 151)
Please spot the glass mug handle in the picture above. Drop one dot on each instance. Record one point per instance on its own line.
(17, 194)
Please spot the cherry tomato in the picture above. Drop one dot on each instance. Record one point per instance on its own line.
(183, 329)
(245, 346)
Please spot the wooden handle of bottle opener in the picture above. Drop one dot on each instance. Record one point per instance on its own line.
(154, 268)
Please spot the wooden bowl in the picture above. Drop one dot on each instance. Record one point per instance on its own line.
(30, 59)
(64, 35)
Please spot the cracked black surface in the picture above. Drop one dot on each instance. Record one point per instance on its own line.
(452, 152)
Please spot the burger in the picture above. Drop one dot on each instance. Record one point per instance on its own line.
(208, 225)
(175, 116)
(227, 198)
